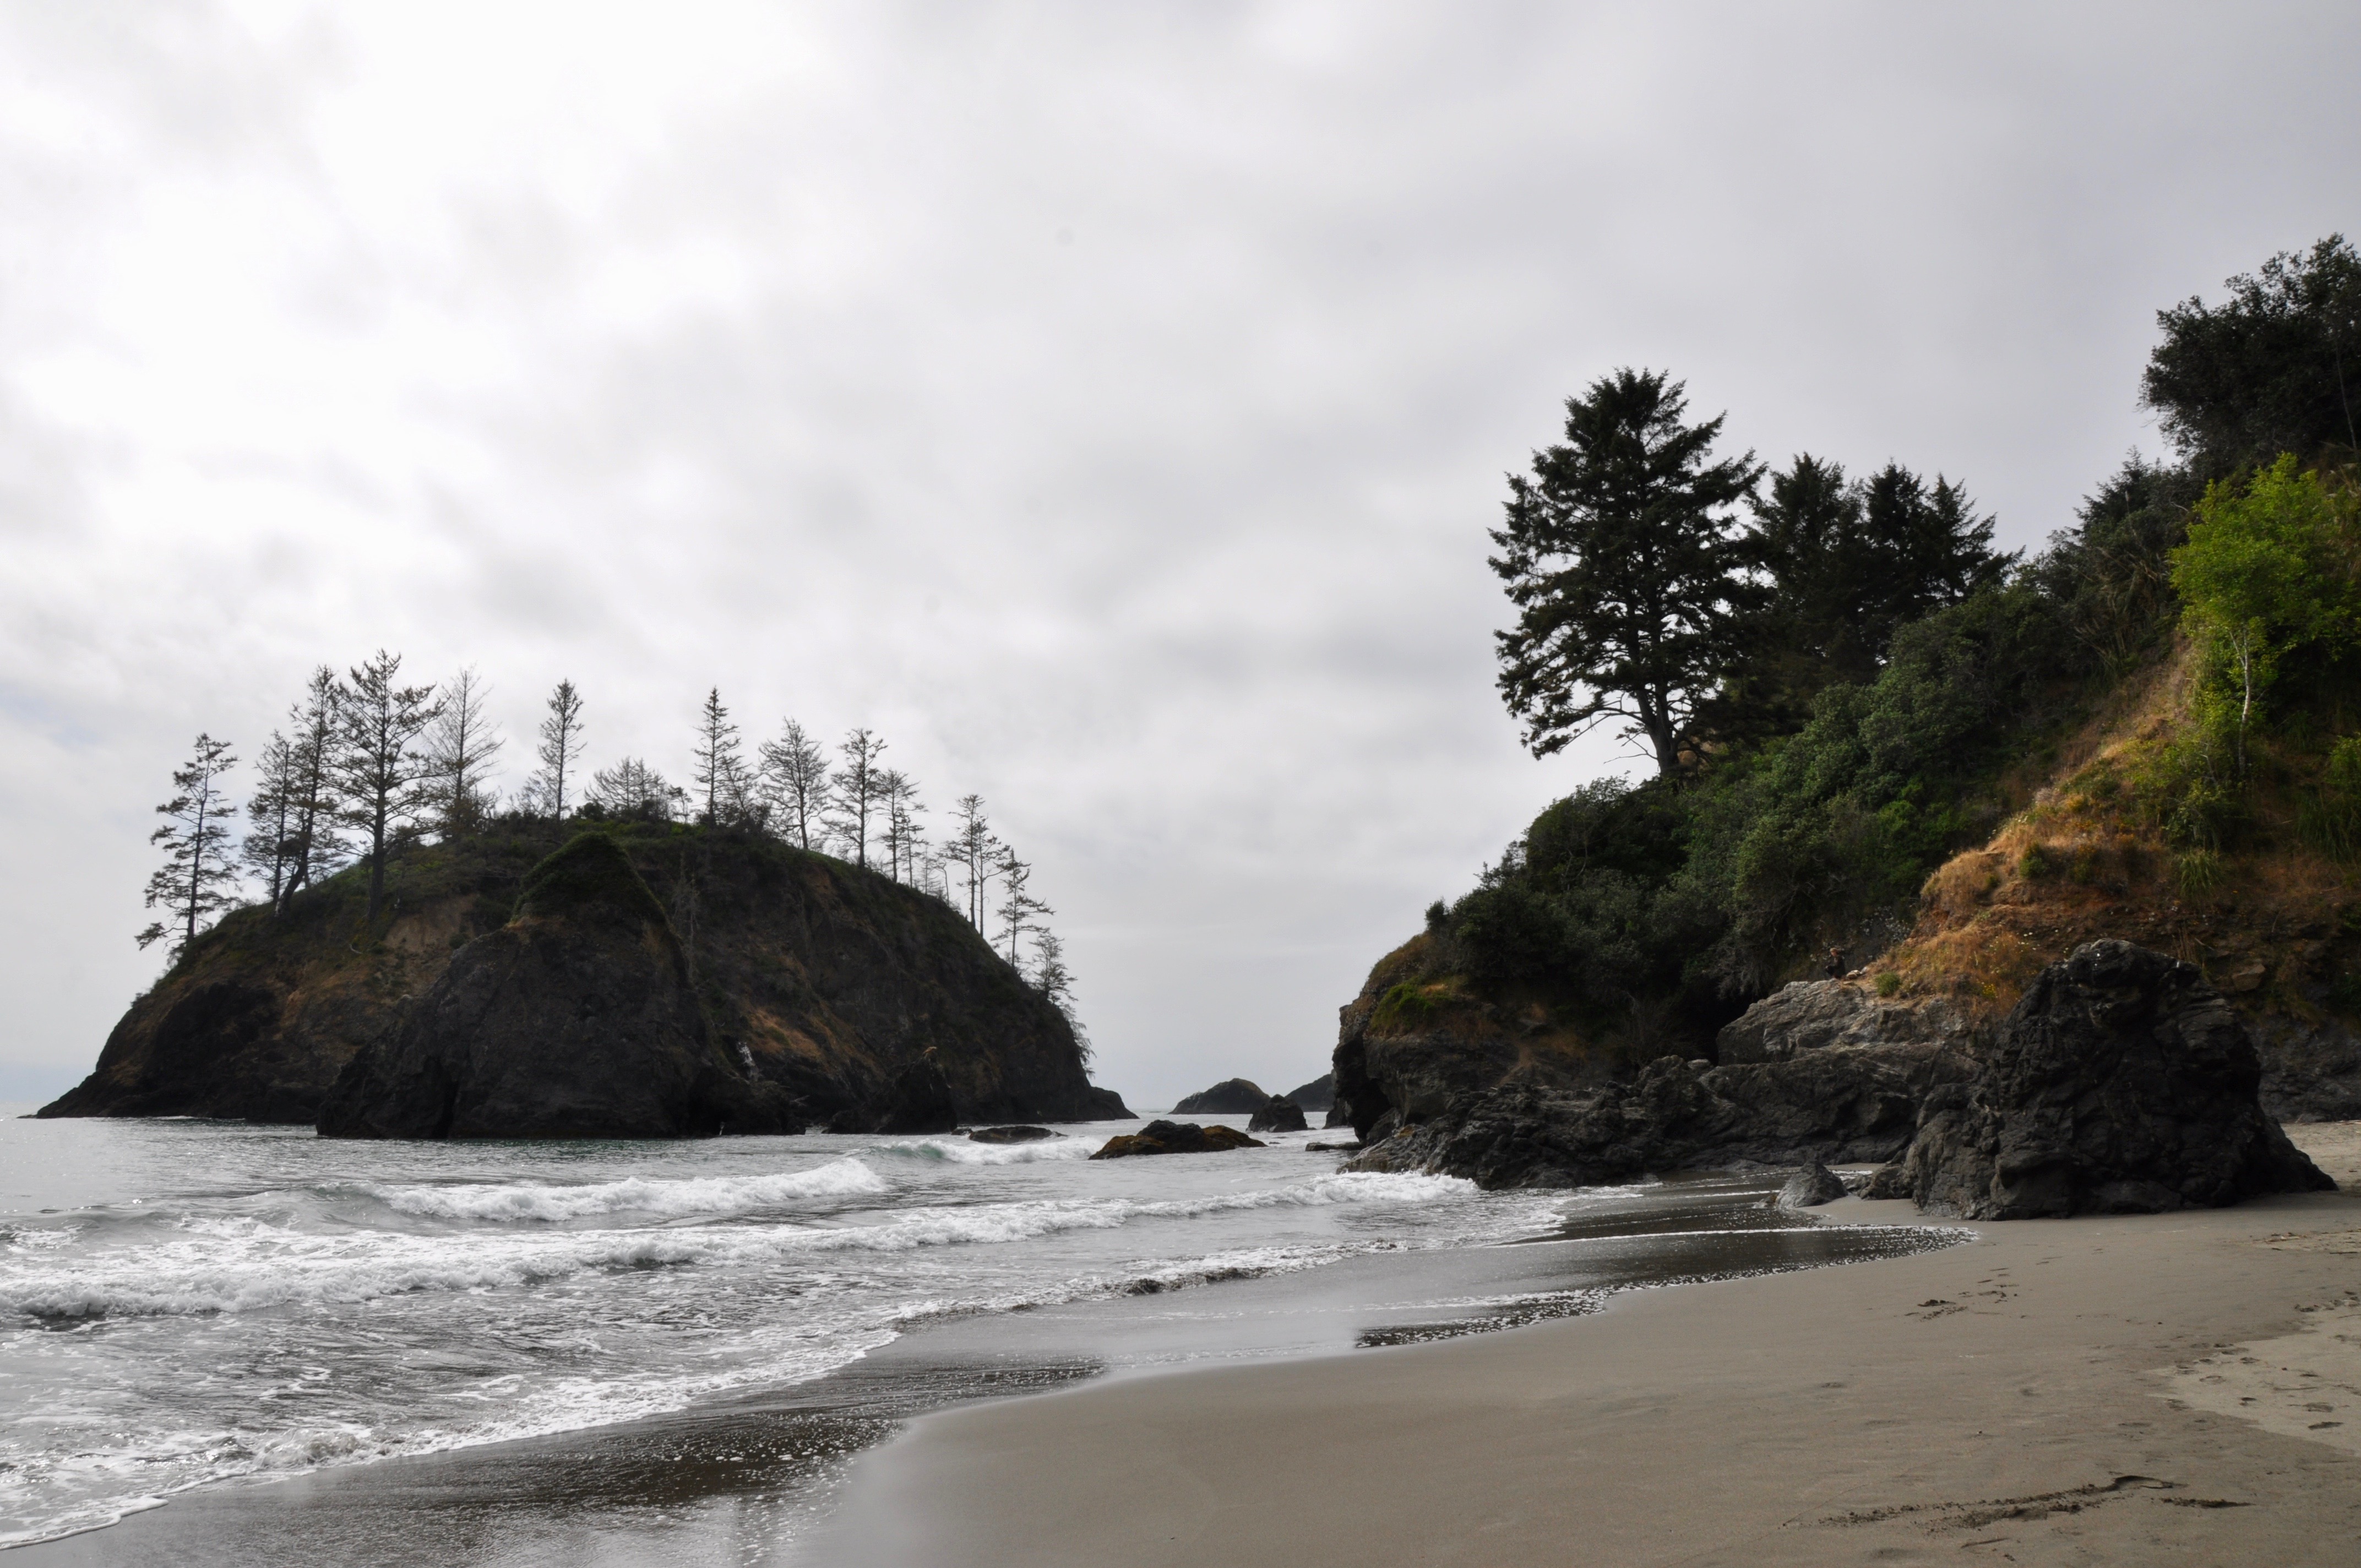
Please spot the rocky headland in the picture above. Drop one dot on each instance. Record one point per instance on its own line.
(829, 995)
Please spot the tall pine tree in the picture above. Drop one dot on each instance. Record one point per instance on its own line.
(197, 877)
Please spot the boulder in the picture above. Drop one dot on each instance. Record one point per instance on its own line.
(2120, 1083)
(1177, 1137)
(1230, 1097)
(1317, 1096)
(575, 1020)
(1279, 1114)
(1008, 1134)
(921, 1101)
(1809, 1187)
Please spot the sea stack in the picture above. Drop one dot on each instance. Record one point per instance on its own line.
(575, 1020)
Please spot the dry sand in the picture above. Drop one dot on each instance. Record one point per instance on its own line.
(2166, 1389)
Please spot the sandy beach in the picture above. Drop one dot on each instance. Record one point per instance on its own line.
(2179, 1388)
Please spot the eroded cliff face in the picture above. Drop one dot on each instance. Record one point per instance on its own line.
(828, 979)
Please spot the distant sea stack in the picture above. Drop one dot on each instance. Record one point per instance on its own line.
(1230, 1097)
(815, 977)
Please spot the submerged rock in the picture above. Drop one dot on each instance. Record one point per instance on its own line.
(1279, 1114)
(575, 1020)
(1230, 1097)
(1177, 1137)
(1809, 1187)
(2122, 1083)
(1008, 1134)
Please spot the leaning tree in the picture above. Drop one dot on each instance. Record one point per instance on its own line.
(198, 877)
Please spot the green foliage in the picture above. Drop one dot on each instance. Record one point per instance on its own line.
(2329, 816)
(2113, 572)
(1889, 983)
(1703, 891)
(2275, 367)
(1623, 562)
(1405, 1007)
(590, 875)
(2035, 863)
(2268, 571)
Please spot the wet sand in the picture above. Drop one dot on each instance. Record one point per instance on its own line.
(2164, 1389)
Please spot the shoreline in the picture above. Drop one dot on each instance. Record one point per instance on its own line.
(2053, 1391)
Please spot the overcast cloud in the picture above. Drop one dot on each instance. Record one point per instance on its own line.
(1104, 403)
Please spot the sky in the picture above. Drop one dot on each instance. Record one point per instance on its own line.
(1105, 404)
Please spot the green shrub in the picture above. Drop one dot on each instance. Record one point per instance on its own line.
(1889, 983)
(2034, 864)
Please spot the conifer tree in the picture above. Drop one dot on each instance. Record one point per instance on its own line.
(975, 851)
(460, 746)
(631, 788)
(318, 847)
(1054, 981)
(196, 877)
(1625, 565)
(855, 794)
(271, 846)
(1020, 913)
(794, 776)
(560, 748)
(720, 768)
(377, 768)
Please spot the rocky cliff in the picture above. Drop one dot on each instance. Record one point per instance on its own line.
(829, 979)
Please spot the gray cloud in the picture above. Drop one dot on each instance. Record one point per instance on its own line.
(1106, 404)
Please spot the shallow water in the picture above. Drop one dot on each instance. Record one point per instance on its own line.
(187, 1305)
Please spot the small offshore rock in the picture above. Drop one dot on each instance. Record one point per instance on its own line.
(1178, 1137)
(1008, 1134)
(1331, 1148)
(1809, 1187)
(1279, 1114)
(1230, 1097)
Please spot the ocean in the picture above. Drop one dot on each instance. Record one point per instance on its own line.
(190, 1308)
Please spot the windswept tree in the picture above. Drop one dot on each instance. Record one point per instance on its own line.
(1021, 914)
(460, 746)
(905, 838)
(721, 775)
(319, 846)
(1626, 569)
(196, 877)
(1054, 981)
(560, 748)
(975, 850)
(795, 777)
(271, 846)
(631, 788)
(854, 788)
(380, 772)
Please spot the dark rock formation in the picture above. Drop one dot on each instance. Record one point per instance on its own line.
(1809, 1187)
(2122, 1083)
(830, 977)
(1008, 1134)
(1317, 1096)
(1230, 1097)
(2311, 1069)
(1178, 1137)
(922, 1100)
(1279, 1114)
(575, 1020)
(1847, 1103)
(1813, 1014)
